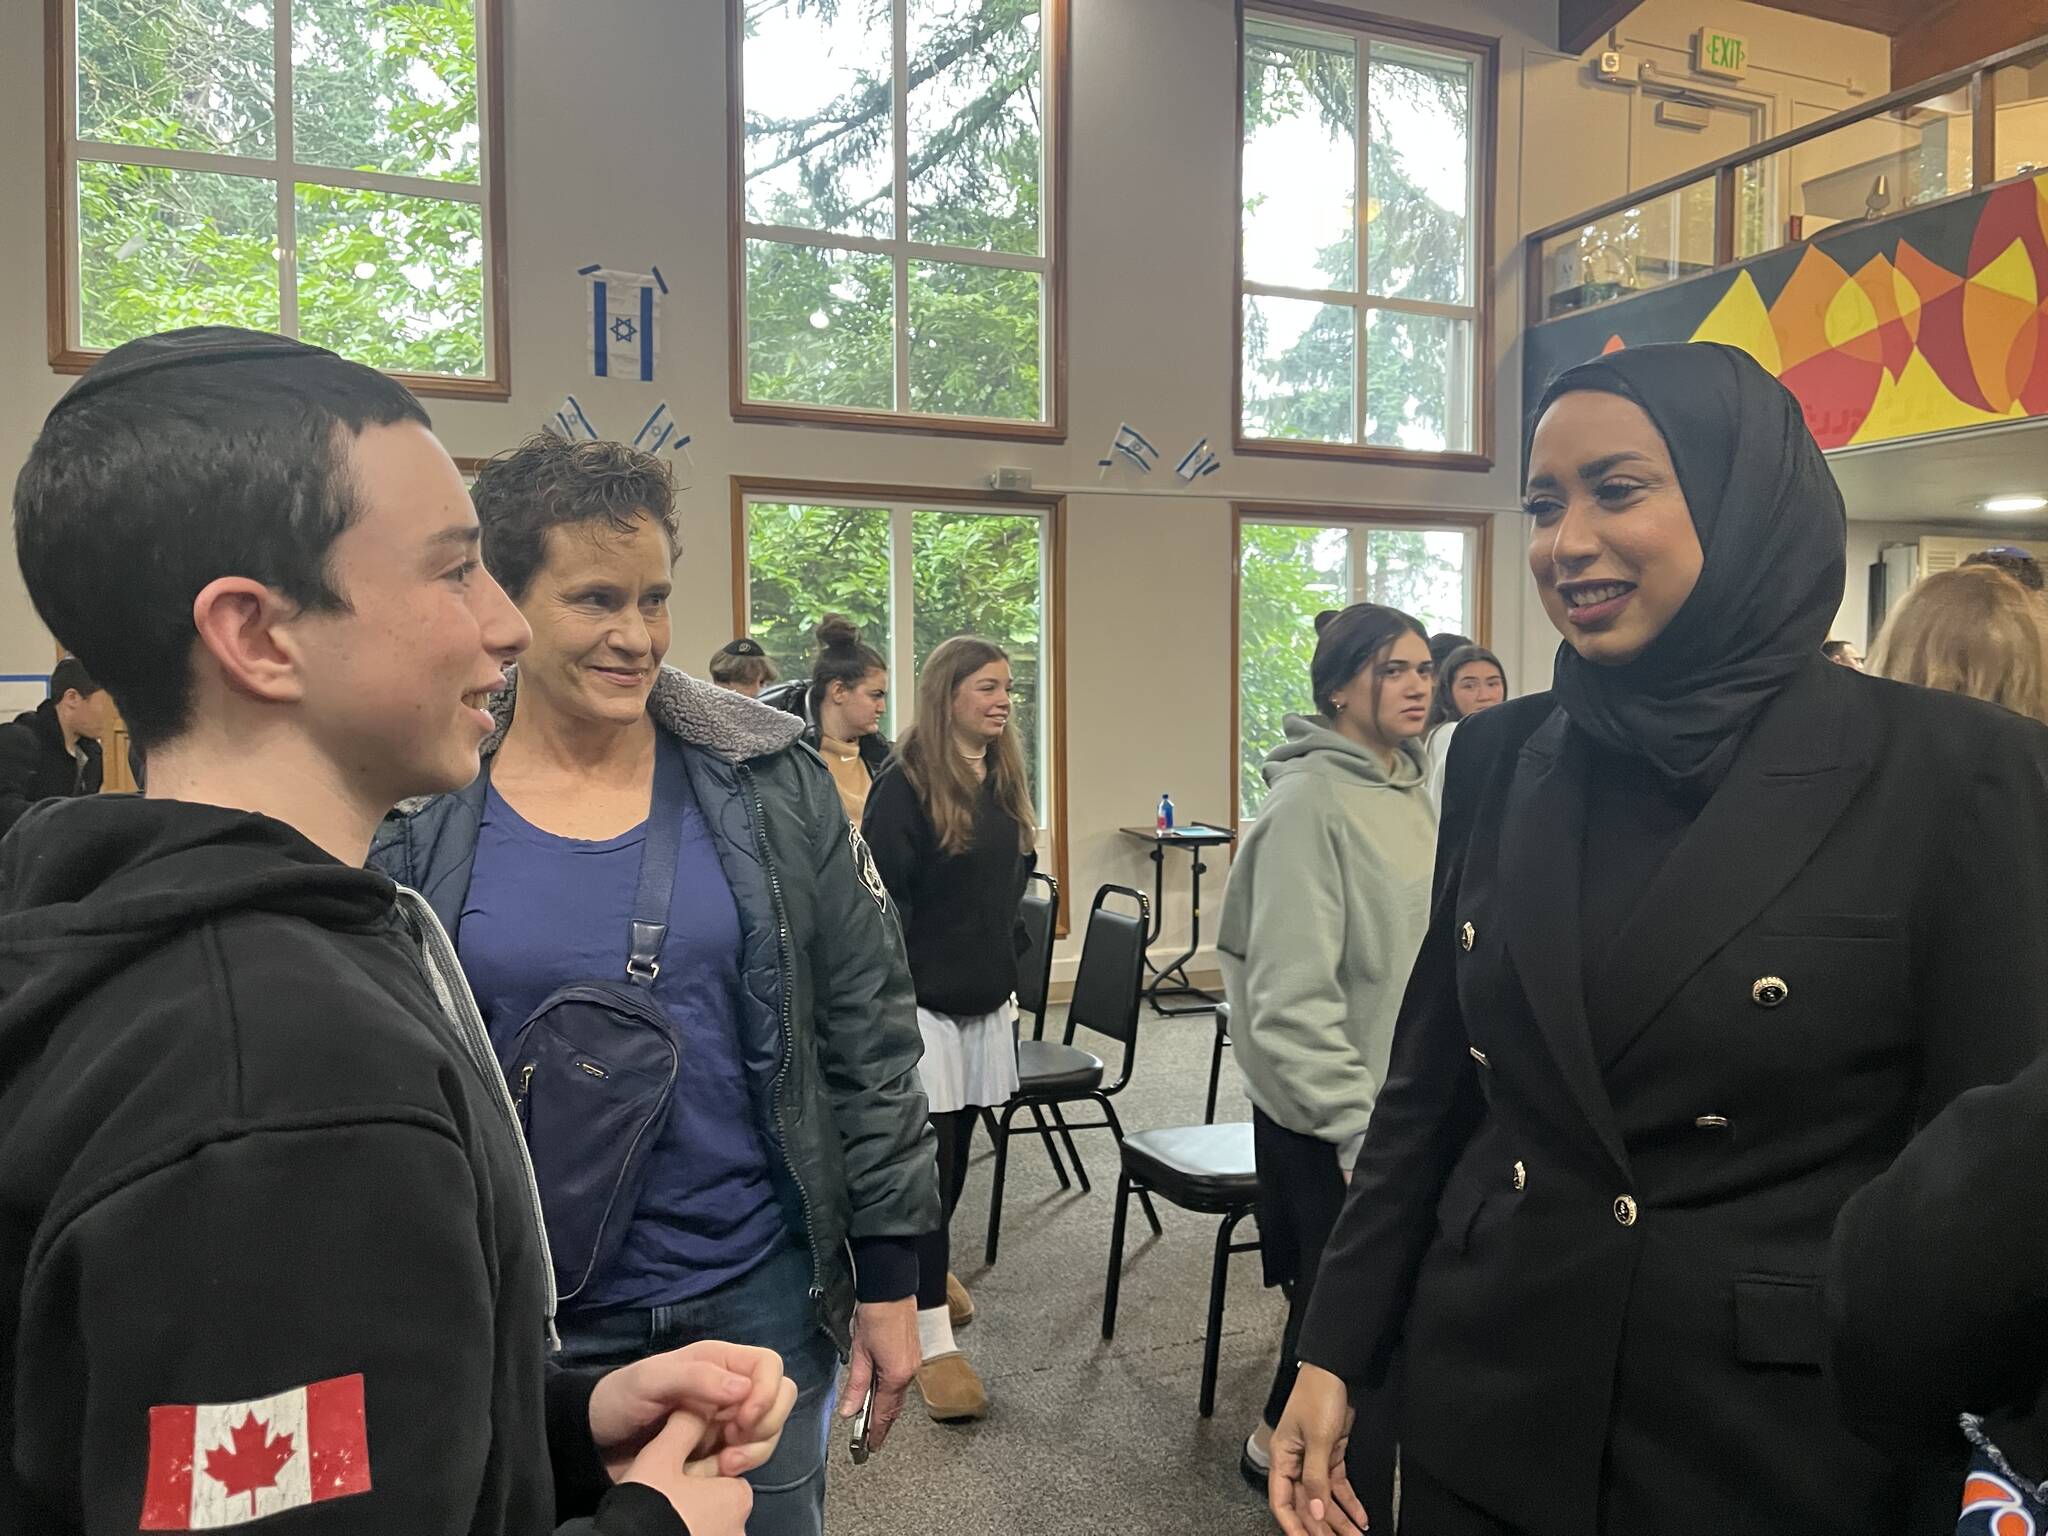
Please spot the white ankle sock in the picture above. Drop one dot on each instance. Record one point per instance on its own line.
(935, 1331)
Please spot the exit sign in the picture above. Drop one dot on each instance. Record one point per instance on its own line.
(1720, 53)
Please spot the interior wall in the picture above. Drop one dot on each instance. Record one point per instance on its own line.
(1799, 69)
(1151, 226)
(1866, 539)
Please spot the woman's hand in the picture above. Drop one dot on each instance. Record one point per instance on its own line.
(1308, 1489)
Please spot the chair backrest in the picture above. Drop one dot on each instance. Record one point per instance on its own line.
(1040, 916)
(1109, 985)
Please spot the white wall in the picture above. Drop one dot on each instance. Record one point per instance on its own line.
(1150, 241)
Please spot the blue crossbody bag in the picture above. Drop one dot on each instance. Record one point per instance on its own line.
(593, 1070)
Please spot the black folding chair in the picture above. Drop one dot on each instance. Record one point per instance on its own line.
(1216, 1061)
(1107, 989)
(1204, 1168)
(1039, 917)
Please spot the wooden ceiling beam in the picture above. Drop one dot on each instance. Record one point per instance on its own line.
(1582, 23)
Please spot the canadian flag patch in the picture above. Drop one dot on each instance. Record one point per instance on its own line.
(215, 1464)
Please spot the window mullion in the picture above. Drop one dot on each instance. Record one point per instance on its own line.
(899, 17)
(287, 198)
(1362, 174)
(902, 610)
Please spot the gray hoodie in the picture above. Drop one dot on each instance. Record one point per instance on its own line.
(1328, 900)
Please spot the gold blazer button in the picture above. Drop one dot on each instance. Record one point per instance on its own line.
(1625, 1210)
(1521, 1176)
(1466, 935)
(1769, 991)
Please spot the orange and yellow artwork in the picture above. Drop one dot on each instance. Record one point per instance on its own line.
(1878, 336)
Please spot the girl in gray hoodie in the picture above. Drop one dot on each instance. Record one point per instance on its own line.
(1328, 900)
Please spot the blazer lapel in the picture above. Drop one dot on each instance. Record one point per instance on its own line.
(1542, 856)
(1807, 756)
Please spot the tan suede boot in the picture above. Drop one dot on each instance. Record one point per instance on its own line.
(953, 1393)
(959, 1304)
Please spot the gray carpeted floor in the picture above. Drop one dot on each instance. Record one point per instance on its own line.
(1083, 1435)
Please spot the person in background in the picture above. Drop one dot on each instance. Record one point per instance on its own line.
(1974, 630)
(1843, 653)
(842, 707)
(1936, 1280)
(2014, 561)
(1468, 680)
(271, 1236)
(53, 751)
(795, 1126)
(741, 666)
(1716, 925)
(1328, 901)
(1442, 643)
(954, 835)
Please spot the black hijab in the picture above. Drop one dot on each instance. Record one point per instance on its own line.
(1770, 521)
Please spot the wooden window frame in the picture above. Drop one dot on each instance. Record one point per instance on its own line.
(1479, 524)
(1053, 509)
(67, 355)
(1056, 22)
(1484, 135)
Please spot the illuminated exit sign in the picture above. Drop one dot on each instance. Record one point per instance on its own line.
(1720, 53)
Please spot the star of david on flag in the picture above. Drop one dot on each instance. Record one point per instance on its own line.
(624, 313)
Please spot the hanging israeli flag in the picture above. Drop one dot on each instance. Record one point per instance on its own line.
(625, 322)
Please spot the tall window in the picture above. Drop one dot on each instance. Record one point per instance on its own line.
(316, 167)
(1363, 239)
(911, 574)
(898, 236)
(1290, 568)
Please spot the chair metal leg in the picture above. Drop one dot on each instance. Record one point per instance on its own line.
(1113, 1287)
(995, 1194)
(988, 1118)
(1212, 1342)
(1215, 1074)
(1074, 1152)
(1116, 1128)
(1059, 1167)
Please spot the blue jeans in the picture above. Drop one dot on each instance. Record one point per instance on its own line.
(769, 1307)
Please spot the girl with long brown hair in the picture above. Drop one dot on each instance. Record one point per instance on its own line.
(953, 832)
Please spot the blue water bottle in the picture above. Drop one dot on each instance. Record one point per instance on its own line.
(1166, 813)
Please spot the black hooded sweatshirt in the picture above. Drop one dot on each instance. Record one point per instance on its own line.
(267, 1236)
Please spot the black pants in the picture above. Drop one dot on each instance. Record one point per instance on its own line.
(956, 1137)
(1428, 1508)
(1301, 1192)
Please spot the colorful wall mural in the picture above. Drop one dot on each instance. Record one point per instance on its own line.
(1922, 323)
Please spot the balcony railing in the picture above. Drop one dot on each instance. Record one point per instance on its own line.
(1941, 138)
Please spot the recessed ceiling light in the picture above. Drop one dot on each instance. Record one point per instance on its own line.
(2016, 503)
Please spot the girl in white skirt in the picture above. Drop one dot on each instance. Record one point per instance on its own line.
(953, 833)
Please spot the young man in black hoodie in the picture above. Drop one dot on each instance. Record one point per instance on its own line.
(268, 1236)
(53, 750)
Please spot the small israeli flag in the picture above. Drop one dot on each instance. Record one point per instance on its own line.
(656, 430)
(625, 322)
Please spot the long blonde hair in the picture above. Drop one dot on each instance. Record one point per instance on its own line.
(1974, 631)
(946, 787)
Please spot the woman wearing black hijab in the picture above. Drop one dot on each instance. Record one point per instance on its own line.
(1716, 925)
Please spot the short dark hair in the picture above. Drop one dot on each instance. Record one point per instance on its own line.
(2016, 563)
(842, 657)
(68, 674)
(1835, 650)
(550, 482)
(742, 661)
(1348, 641)
(178, 459)
(1442, 643)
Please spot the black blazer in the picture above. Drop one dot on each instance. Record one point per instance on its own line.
(1608, 1278)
